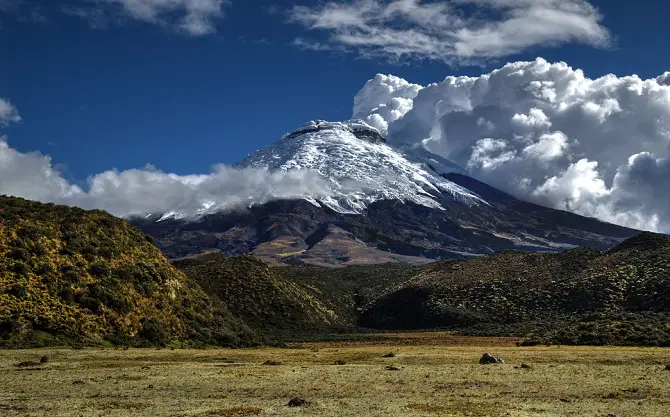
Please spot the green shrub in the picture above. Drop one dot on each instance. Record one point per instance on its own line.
(100, 270)
(153, 331)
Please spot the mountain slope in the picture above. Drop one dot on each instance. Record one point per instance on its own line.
(384, 205)
(360, 167)
(85, 277)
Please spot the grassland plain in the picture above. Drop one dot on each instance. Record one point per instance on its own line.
(429, 374)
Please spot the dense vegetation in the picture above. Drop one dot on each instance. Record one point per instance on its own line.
(69, 276)
(257, 294)
(582, 296)
(351, 290)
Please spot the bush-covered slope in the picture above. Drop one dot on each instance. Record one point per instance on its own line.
(260, 295)
(582, 296)
(85, 277)
(349, 291)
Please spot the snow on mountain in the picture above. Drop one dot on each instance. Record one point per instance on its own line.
(360, 167)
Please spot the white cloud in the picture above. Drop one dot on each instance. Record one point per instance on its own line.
(190, 17)
(458, 31)
(383, 100)
(8, 113)
(535, 119)
(148, 190)
(30, 175)
(137, 191)
(547, 133)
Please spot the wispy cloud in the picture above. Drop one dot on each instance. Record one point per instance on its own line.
(457, 31)
(189, 17)
(8, 113)
(24, 10)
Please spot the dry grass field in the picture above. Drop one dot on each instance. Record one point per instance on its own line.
(430, 374)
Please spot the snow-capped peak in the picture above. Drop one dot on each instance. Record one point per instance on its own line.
(361, 167)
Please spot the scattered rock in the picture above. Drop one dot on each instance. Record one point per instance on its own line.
(488, 359)
(394, 368)
(28, 364)
(389, 355)
(271, 363)
(340, 362)
(296, 402)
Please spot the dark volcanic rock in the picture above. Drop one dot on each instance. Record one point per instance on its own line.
(488, 359)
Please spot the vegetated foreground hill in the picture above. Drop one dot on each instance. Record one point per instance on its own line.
(260, 296)
(582, 296)
(85, 277)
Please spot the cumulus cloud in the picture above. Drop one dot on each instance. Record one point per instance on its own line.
(457, 31)
(8, 113)
(547, 133)
(190, 17)
(148, 190)
(383, 100)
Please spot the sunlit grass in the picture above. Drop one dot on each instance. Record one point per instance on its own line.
(436, 376)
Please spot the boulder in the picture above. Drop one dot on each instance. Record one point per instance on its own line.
(297, 402)
(488, 359)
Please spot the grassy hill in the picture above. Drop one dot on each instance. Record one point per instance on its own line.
(260, 295)
(582, 296)
(351, 290)
(85, 277)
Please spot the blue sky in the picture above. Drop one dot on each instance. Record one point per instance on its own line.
(136, 93)
(91, 91)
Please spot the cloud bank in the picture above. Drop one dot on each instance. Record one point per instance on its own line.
(148, 190)
(143, 191)
(189, 17)
(544, 132)
(457, 31)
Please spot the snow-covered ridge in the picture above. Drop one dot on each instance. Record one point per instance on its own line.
(360, 167)
(358, 128)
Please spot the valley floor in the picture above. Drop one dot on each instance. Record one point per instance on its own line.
(431, 374)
